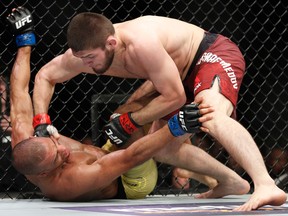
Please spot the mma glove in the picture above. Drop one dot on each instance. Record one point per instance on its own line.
(43, 126)
(185, 121)
(21, 24)
(120, 128)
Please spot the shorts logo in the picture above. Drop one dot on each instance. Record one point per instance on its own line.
(213, 58)
(197, 84)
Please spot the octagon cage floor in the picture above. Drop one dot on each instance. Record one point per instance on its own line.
(181, 205)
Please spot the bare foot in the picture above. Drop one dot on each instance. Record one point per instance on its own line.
(237, 186)
(186, 175)
(264, 195)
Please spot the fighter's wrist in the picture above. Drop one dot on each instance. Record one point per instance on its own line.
(132, 120)
(25, 39)
(175, 127)
(41, 118)
(127, 123)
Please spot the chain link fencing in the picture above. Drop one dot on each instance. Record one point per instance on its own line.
(81, 106)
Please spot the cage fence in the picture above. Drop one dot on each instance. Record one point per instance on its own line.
(81, 106)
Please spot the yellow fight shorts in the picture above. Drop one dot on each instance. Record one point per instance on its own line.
(140, 180)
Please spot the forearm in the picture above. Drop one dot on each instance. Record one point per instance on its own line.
(149, 145)
(178, 129)
(156, 109)
(20, 75)
(136, 105)
(60, 69)
(146, 89)
(42, 94)
(145, 148)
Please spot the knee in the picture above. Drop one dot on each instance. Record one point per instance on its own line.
(213, 124)
(223, 109)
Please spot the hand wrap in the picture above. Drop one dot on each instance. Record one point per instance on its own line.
(21, 24)
(40, 124)
(185, 121)
(120, 128)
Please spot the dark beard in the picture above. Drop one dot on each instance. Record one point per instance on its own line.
(109, 59)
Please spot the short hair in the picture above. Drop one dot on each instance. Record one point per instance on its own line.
(89, 31)
(27, 156)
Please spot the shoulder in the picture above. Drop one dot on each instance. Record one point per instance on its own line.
(64, 185)
(137, 29)
(68, 57)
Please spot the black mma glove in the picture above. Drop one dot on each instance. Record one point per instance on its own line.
(22, 26)
(185, 121)
(120, 128)
(40, 124)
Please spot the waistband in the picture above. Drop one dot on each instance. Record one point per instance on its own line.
(207, 41)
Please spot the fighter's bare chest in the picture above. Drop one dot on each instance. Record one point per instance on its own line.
(126, 66)
(128, 72)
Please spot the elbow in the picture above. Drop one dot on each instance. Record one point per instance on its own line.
(40, 76)
(41, 79)
(179, 100)
(182, 99)
(37, 78)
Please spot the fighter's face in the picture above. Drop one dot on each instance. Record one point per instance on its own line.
(56, 155)
(98, 59)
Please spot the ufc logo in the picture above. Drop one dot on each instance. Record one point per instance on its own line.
(114, 139)
(182, 121)
(23, 21)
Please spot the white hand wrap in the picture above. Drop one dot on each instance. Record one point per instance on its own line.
(114, 115)
(52, 130)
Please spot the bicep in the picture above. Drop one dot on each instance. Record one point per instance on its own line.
(63, 68)
(57, 70)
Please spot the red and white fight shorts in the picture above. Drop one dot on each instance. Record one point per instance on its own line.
(216, 56)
